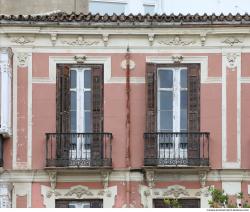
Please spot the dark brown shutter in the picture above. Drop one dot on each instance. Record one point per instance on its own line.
(96, 203)
(150, 149)
(97, 115)
(184, 203)
(62, 113)
(62, 203)
(194, 114)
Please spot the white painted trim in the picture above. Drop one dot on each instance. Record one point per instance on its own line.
(14, 118)
(237, 52)
(202, 60)
(78, 192)
(29, 124)
(73, 175)
(22, 189)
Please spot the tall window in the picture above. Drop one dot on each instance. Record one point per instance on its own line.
(173, 114)
(79, 113)
(172, 109)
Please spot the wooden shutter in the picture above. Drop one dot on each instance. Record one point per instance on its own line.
(97, 115)
(194, 114)
(62, 113)
(62, 203)
(96, 203)
(184, 203)
(150, 149)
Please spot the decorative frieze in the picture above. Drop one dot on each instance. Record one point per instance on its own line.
(177, 41)
(231, 41)
(80, 59)
(177, 58)
(176, 191)
(22, 40)
(80, 41)
(79, 192)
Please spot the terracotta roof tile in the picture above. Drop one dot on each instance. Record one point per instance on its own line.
(142, 20)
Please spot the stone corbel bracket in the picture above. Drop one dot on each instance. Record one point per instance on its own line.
(150, 178)
(203, 39)
(105, 38)
(151, 38)
(203, 178)
(52, 179)
(53, 38)
(232, 61)
(105, 178)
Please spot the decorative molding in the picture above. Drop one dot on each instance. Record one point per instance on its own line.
(231, 41)
(176, 41)
(22, 40)
(177, 59)
(176, 191)
(22, 59)
(79, 192)
(80, 42)
(80, 59)
(105, 38)
(151, 38)
(53, 38)
(131, 64)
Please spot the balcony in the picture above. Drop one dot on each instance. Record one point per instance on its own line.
(185, 149)
(78, 150)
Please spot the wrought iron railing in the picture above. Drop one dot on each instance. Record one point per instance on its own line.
(78, 149)
(176, 148)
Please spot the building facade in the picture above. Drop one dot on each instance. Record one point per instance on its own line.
(123, 111)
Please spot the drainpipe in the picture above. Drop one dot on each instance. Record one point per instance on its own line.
(128, 130)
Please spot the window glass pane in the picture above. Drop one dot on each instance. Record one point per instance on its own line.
(73, 79)
(183, 114)
(184, 99)
(73, 100)
(88, 122)
(87, 79)
(87, 100)
(166, 120)
(184, 78)
(106, 7)
(149, 9)
(73, 121)
(166, 100)
(166, 78)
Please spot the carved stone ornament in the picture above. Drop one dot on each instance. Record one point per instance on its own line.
(176, 41)
(80, 59)
(176, 191)
(105, 178)
(80, 42)
(79, 191)
(51, 192)
(22, 40)
(22, 59)
(124, 64)
(231, 41)
(177, 59)
(203, 39)
(231, 60)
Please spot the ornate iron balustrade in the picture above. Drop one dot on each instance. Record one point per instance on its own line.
(78, 149)
(176, 148)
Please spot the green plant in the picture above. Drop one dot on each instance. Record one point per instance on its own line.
(219, 198)
(172, 203)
